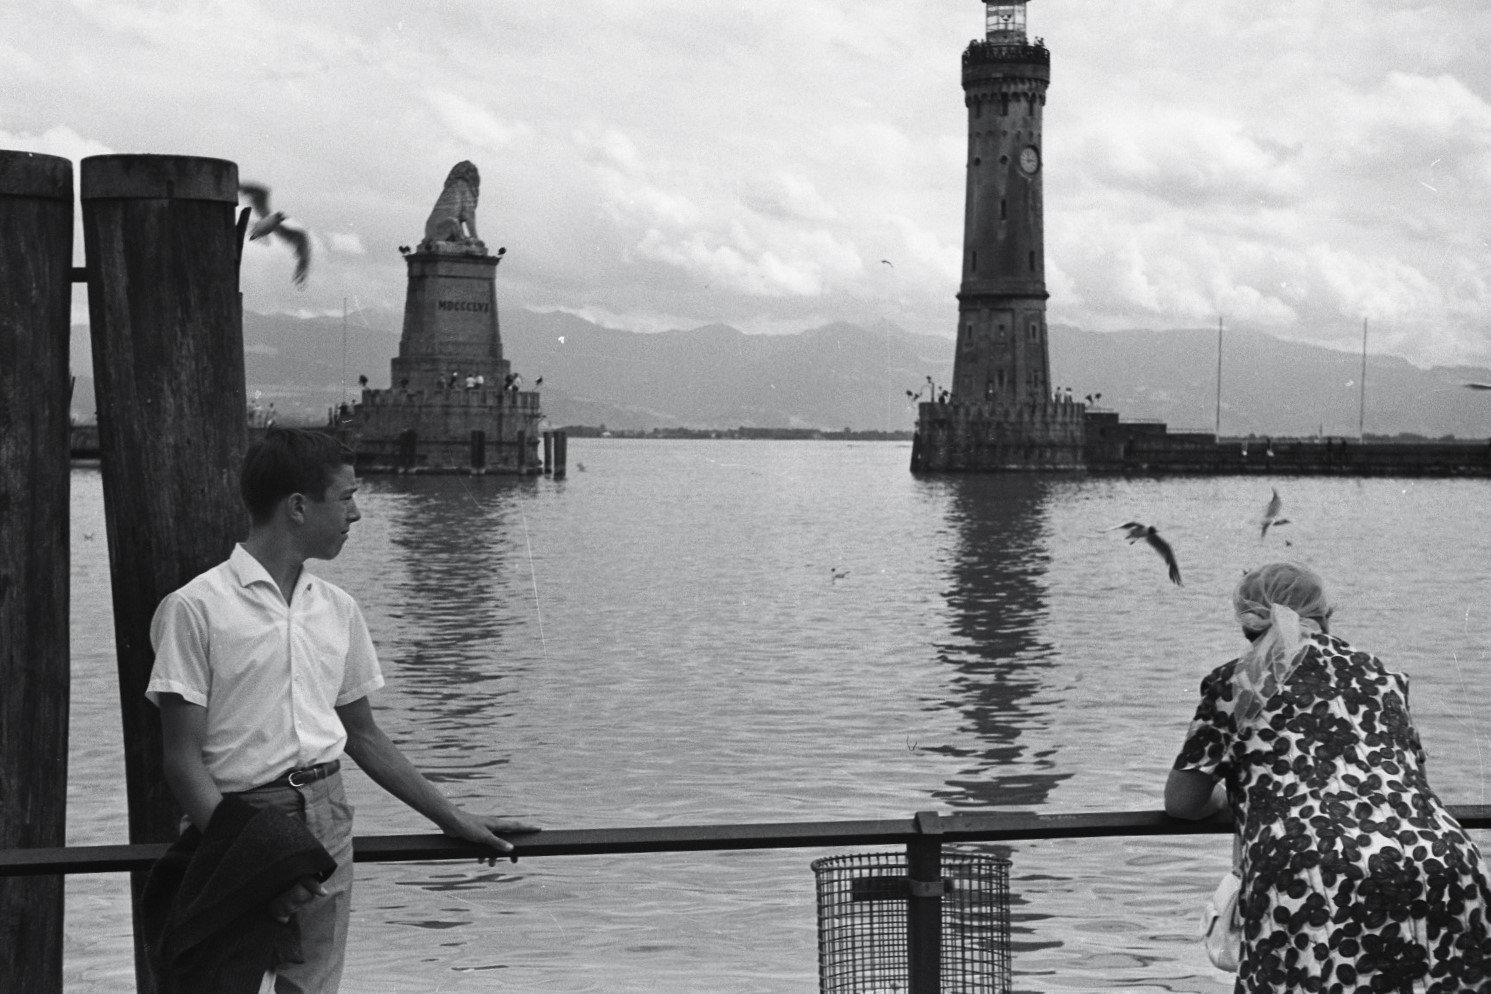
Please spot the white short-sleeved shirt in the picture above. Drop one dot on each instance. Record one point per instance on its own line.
(269, 673)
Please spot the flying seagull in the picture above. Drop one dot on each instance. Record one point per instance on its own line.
(889, 263)
(1271, 514)
(1136, 531)
(274, 223)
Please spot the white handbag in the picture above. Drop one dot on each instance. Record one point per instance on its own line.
(1221, 928)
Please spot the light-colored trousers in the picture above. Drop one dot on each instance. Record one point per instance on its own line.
(323, 922)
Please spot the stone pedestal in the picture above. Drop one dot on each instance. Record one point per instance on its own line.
(429, 420)
(450, 323)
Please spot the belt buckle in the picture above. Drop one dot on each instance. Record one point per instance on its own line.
(308, 776)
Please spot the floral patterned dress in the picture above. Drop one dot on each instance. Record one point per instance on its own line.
(1355, 877)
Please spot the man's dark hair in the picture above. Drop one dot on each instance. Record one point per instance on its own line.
(288, 461)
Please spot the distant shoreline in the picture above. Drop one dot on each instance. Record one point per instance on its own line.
(84, 437)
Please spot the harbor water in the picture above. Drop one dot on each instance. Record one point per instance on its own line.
(696, 632)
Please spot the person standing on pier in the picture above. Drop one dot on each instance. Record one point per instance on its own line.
(1354, 876)
(262, 674)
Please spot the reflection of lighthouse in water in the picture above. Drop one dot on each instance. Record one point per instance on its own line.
(997, 655)
(1001, 413)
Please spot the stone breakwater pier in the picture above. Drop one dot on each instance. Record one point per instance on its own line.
(1064, 436)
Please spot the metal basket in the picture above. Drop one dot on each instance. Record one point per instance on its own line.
(862, 924)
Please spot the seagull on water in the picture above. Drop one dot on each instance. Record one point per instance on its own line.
(1271, 514)
(274, 223)
(1136, 531)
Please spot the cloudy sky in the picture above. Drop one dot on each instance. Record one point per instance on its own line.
(652, 164)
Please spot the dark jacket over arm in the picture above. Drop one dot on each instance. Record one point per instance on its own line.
(205, 908)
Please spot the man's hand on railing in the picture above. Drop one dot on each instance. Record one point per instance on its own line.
(482, 829)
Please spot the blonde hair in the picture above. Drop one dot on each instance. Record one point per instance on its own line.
(1286, 584)
(1278, 605)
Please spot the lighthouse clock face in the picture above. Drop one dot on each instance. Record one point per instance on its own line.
(1030, 160)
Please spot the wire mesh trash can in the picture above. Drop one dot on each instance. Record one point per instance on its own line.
(862, 923)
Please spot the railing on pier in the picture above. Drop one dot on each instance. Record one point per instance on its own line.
(923, 835)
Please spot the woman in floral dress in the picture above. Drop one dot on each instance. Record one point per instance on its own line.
(1354, 876)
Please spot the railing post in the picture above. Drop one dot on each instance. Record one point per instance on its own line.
(35, 304)
(924, 905)
(167, 327)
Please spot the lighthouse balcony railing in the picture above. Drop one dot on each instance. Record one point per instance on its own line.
(988, 52)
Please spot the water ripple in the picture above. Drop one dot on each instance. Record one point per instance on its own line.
(664, 643)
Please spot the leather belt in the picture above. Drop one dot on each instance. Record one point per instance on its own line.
(304, 777)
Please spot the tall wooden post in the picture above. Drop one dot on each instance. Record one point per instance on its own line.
(167, 327)
(35, 304)
(561, 445)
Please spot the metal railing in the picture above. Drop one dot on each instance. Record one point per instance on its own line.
(923, 835)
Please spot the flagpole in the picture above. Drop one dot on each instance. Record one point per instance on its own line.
(1219, 376)
(1361, 418)
(344, 350)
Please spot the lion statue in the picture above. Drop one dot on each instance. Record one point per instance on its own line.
(452, 224)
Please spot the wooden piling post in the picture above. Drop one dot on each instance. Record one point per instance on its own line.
(561, 442)
(167, 329)
(478, 450)
(548, 452)
(36, 210)
(408, 449)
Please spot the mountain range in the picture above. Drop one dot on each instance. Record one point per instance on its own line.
(843, 375)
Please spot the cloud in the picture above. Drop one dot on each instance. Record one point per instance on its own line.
(666, 163)
(788, 196)
(1189, 159)
(59, 140)
(772, 238)
(471, 123)
(345, 242)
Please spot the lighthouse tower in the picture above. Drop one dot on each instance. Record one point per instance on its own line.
(1002, 413)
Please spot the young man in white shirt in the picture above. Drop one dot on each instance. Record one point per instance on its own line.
(261, 674)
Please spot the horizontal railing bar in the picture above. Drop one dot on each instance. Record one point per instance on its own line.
(1001, 826)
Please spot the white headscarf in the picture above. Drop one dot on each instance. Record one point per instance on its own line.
(1279, 603)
